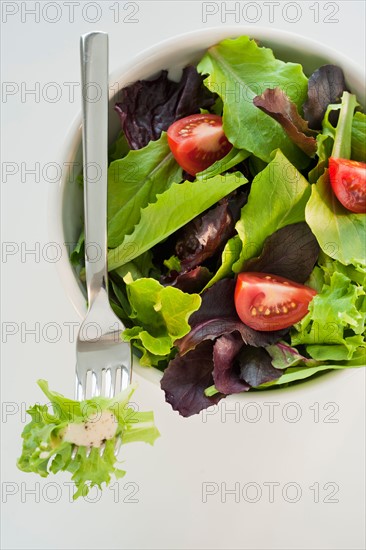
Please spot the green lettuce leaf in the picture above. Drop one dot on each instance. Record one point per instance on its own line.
(77, 254)
(277, 198)
(230, 160)
(119, 148)
(230, 255)
(238, 70)
(337, 352)
(340, 233)
(160, 316)
(358, 137)
(325, 141)
(300, 372)
(45, 451)
(134, 182)
(335, 313)
(174, 208)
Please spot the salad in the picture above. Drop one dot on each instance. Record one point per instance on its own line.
(236, 236)
(236, 224)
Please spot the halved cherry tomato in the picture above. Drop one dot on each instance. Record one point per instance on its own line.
(269, 302)
(348, 180)
(197, 141)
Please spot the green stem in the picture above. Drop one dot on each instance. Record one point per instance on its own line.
(209, 392)
(342, 141)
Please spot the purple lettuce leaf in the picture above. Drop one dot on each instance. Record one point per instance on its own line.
(275, 103)
(214, 328)
(206, 235)
(192, 281)
(217, 302)
(186, 378)
(226, 377)
(256, 366)
(326, 85)
(217, 316)
(148, 107)
(284, 356)
(290, 252)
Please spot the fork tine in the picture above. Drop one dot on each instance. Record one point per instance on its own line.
(81, 384)
(116, 379)
(97, 377)
(102, 449)
(108, 383)
(117, 446)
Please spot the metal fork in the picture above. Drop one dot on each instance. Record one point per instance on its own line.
(104, 361)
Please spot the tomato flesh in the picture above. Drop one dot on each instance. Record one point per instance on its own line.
(197, 141)
(348, 180)
(268, 302)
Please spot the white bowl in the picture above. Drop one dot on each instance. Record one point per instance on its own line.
(66, 204)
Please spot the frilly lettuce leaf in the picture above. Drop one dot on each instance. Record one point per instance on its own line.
(44, 450)
(160, 315)
(238, 70)
(336, 317)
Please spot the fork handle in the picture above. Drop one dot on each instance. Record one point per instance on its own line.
(94, 84)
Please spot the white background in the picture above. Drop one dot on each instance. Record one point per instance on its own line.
(225, 450)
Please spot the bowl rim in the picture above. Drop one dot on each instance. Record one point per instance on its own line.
(73, 141)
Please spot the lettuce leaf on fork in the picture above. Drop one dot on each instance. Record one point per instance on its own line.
(46, 451)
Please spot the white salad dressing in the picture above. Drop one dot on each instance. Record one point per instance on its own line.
(94, 432)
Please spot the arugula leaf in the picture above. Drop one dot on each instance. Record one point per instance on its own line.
(174, 208)
(134, 182)
(45, 450)
(160, 315)
(238, 70)
(340, 233)
(277, 198)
